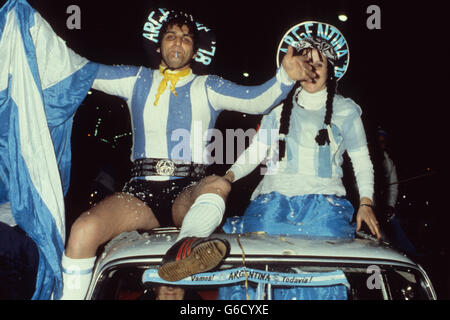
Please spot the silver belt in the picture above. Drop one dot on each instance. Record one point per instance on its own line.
(166, 167)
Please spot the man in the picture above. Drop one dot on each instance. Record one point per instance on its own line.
(386, 186)
(165, 177)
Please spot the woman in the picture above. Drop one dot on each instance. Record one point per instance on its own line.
(302, 192)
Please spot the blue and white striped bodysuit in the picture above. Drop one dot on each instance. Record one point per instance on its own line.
(175, 128)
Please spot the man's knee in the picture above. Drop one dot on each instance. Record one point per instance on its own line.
(86, 231)
(215, 184)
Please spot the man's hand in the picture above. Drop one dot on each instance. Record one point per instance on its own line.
(366, 214)
(298, 67)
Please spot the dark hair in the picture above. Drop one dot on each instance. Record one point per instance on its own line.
(189, 294)
(322, 136)
(179, 19)
(285, 121)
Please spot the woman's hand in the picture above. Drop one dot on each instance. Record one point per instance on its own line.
(365, 213)
(229, 176)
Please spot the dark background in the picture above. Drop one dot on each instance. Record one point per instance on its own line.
(396, 74)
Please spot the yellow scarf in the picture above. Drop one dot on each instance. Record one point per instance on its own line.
(173, 76)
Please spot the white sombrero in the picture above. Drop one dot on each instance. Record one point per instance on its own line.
(206, 39)
(321, 36)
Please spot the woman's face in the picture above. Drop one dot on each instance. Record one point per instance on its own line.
(320, 68)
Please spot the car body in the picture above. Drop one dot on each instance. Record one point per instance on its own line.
(374, 270)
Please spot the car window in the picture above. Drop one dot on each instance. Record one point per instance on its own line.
(406, 285)
(365, 282)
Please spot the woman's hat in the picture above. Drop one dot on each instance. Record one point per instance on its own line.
(205, 38)
(322, 36)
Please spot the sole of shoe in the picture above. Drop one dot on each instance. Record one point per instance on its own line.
(203, 258)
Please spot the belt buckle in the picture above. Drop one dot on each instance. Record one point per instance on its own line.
(165, 167)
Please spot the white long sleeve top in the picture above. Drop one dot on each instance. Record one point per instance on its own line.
(301, 171)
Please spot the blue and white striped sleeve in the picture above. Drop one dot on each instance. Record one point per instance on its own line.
(226, 95)
(259, 148)
(116, 80)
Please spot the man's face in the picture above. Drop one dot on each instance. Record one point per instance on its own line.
(177, 48)
(169, 293)
(382, 142)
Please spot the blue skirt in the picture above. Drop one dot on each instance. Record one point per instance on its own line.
(312, 215)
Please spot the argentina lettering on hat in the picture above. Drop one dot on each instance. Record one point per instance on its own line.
(321, 36)
(205, 38)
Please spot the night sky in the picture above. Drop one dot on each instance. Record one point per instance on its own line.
(393, 75)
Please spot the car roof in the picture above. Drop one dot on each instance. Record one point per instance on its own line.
(154, 244)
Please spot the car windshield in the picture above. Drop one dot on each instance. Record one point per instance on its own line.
(360, 282)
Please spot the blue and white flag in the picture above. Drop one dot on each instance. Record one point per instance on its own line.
(42, 82)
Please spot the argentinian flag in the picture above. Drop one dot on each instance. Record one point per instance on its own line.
(42, 82)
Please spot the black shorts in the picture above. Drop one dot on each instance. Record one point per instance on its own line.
(158, 195)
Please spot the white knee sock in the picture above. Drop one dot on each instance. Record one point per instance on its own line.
(203, 217)
(77, 274)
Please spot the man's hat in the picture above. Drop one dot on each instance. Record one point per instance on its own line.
(205, 38)
(324, 37)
